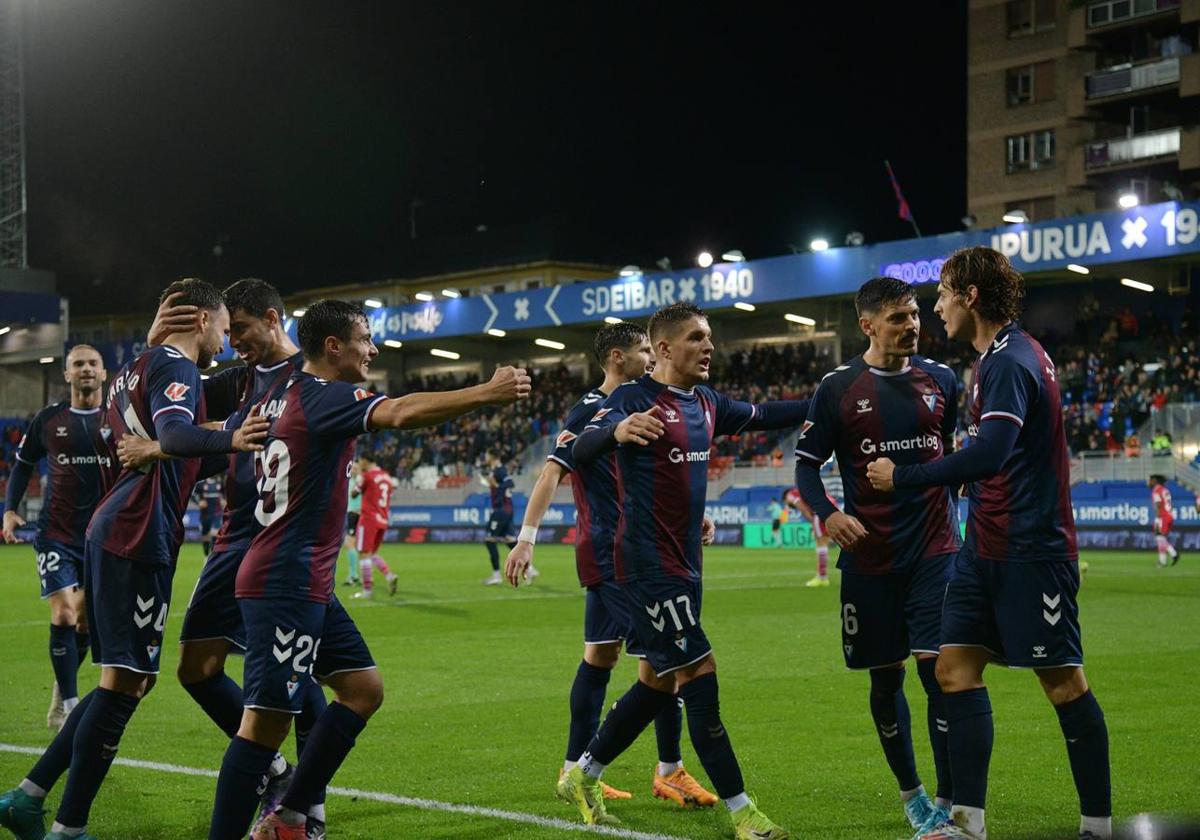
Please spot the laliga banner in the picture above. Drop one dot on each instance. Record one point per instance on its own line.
(1153, 231)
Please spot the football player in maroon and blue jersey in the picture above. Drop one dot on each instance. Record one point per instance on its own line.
(69, 436)
(1012, 595)
(294, 625)
(896, 548)
(624, 353)
(500, 522)
(662, 427)
(130, 551)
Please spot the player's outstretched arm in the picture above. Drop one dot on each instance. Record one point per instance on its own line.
(521, 556)
(18, 482)
(982, 459)
(778, 414)
(640, 429)
(428, 408)
(845, 530)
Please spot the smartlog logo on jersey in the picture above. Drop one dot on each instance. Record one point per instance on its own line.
(870, 447)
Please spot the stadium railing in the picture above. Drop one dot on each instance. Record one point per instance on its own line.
(1116, 466)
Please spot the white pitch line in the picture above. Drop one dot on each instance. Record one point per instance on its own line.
(392, 799)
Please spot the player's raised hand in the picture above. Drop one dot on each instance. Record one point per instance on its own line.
(518, 563)
(879, 473)
(249, 436)
(172, 319)
(11, 523)
(509, 384)
(708, 532)
(845, 530)
(137, 453)
(642, 428)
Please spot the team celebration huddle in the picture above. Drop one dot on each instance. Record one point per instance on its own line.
(268, 447)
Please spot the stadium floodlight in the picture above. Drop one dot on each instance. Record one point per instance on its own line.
(819, 245)
(745, 307)
(497, 333)
(424, 297)
(373, 303)
(1015, 217)
(47, 360)
(451, 293)
(800, 319)
(298, 313)
(611, 319)
(630, 271)
(393, 343)
(1128, 201)
(1137, 284)
(444, 354)
(1079, 269)
(553, 345)
(4, 330)
(704, 259)
(733, 256)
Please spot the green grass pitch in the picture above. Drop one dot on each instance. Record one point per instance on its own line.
(476, 709)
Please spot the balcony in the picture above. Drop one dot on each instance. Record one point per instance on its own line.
(1099, 17)
(1126, 78)
(1180, 146)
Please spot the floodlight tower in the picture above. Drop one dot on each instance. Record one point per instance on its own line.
(13, 247)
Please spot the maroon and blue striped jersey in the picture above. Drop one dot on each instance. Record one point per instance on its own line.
(661, 487)
(594, 487)
(861, 413)
(1023, 513)
(239, 525)
(72, 442)
(501, 493)
(141, 516)
(303, 487)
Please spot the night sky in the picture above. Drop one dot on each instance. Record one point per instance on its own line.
(297, 134)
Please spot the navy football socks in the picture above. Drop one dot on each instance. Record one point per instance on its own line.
(938, 728)
(64, 659)
(893, 724)
(628, 718)
(969, 715)
(244, 773)
(221, 699)
(314, 706)
(329, 743)
(82, 643)
(1083, 726)
(587, 703)
(709, 738)
(95, 746)
(668, 729)
(56, 759)
(493, 555)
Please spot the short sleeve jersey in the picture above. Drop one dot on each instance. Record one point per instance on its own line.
(302, 487)
(141, 517)
(501, 494)
(861, 413)
(1160, 496)
(72, 442)
(594, 487)
(1023, 513)
(661, 487)
(239, 526)
(376, 496)
(211, 490)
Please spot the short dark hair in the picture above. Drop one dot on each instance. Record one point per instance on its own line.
(666, 321)
(1158, 479)
(1001, 287)
(254, 297)
(195, 292)
(879, 292)
(323, 319)
(620, 336)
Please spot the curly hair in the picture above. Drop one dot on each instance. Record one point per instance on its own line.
(1001, 287)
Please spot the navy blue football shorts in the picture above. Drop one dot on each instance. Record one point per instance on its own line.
(288, 640)
(127, 609)
(500, 526)
(60, 566)
(1024, 614)
(885, 618)
(207, 520)
(212, 612)
(606, 618)
(665, 618)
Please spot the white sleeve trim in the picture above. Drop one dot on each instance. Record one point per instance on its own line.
(167, 408)
(811, 457)
(1005, 415)
(370, 409)
(22, 460)
(560, 462)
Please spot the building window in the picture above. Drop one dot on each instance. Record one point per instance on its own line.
(1034, 150)
(1037, 209)
(1025, 17)
(1115, 11)
(1030, 83)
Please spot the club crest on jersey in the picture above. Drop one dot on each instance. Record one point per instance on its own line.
(601, 413)
(864, 405)
(152, 651)
(681, 643)
(176, 391)
(808, 424)
(61, 431)
(564, 437)
(292, 685)
(931, 401)
(362, 394)
(105, 432)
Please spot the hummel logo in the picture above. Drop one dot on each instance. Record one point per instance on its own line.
(864, 406)
(1051, 602)
(942, 725)
(62, 432)
(671, 415)
(284, 638)
(659, 623)
(592, 398)
(889, 731)
(143, 605)
(142, 614)
(999, 344)
(1039, 651)
(1051, 617)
